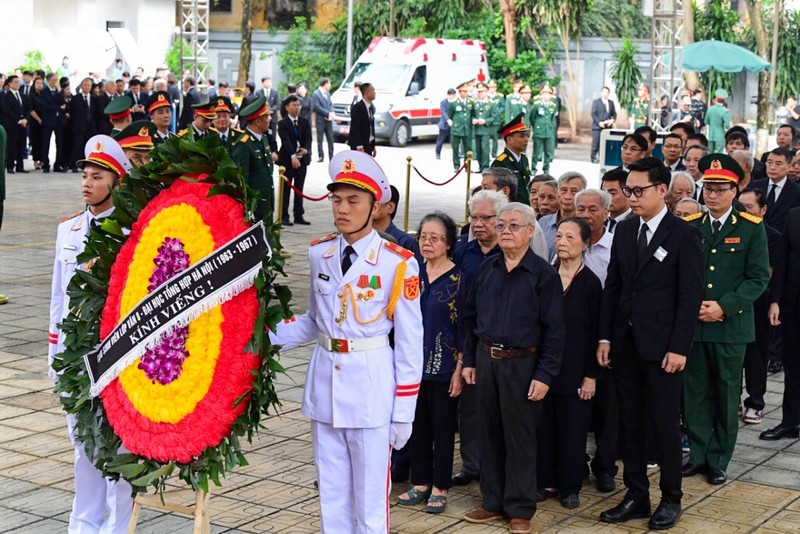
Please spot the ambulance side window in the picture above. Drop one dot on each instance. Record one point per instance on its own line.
(418, 80)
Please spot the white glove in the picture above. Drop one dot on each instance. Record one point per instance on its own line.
(399, 434)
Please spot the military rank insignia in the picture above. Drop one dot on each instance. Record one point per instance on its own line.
(411, 287)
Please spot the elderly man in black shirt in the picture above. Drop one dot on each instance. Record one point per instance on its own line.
(514, 339)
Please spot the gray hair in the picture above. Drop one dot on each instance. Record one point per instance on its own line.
(571, 175)
(527, 212)
(551, 183)
(503, 178)
(682, 174)
(160, 82)
(687, 200)
(497, 198)
(605, 198)
(747, 155)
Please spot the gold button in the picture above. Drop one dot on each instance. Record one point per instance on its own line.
(338, 368)
(711, 268)
(713, 251)
(710, 286)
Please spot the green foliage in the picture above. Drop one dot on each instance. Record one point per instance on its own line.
(611, 19)
(787, 73)
(560, 17)
(626, 73)
(307, 56)
(717, 21)
(34, 60)
(173, 57)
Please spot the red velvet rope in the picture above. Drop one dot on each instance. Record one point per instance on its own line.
(298, 192)
(446, 181)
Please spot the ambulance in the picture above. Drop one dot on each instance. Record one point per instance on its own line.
(411, 77)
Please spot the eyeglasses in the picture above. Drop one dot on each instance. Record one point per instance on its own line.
(482, 218)
(636, 191)
(631, 148)
(514, 227)
(432, 239)
(716, 190)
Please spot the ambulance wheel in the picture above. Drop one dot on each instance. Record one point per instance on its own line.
(401, 134)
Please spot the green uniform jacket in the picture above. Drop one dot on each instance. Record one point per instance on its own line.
(638, 112)
(233, 136)
(718, 120)
(542, 118)
(499, 103)
(737, 273)
(516, 105)
(486, 111)
(461, 115)
(521, 169)
(255, 159)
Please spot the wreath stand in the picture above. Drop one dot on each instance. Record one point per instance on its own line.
(200, 511)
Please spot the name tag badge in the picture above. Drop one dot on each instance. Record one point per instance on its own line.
(458, 108)
(730, 240)
(660, 254)
(70, 247)
(323, 276)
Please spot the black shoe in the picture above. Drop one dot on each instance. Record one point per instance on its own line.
(570, 502)
(774, 367)
(286, 222)
(46, 170)
(716, 476)
(690, 469)
(10, 171)
(780, 432)
(59, 169)
(462, 478)
(320, 160)
(626, 510)
(595, 160)
(300, 220)
(438, 156)
(544, 494)
(666, 516)
(75, 170)
(606, 484)
(23, 171)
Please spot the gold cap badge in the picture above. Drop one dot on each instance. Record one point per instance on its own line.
(716, 165)
(348, 165)
(98, 147)
(143, 132)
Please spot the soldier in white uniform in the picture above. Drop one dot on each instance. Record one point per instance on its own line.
(360, 394)
(100, 504)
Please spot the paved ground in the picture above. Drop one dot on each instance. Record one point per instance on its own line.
(275, 493)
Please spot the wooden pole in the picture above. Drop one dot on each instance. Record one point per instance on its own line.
(201, 511)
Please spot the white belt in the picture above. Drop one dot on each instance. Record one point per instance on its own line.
(351, 345)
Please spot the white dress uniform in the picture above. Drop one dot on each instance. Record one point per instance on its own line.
(357, 385)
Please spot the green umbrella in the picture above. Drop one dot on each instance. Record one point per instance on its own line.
(722, 57)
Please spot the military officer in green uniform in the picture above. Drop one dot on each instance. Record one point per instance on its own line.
(222, 121)
(200, 127)
(736, 274)
(136, 140)
(159, 107)
(639, 112)
(460, 121)
(718, 119)
(118, 112)
(251, 152)
(514, 104)
(543, 122)
(515, 134)
(484, 124)
(500, 106)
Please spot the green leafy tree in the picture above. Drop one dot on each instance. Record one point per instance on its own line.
(787, 81)
(626, 73)
(612, 18)
(307, 56)
(34, 60)
(716, 20)
(173, 57)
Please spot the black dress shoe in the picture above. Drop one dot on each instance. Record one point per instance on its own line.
(46, 170)
(462, 478)
(780, 432)
(544, 494)
(10, 171)
(320, 160)
(300, 220)
(774, 367)
(595, 160)
(690, 469)
(666, 516)
(606, 484)
(76, 171)
(570, 502)
(626, 510)
(286, 222)
(23, 171)
(716, 476)
(59, 169)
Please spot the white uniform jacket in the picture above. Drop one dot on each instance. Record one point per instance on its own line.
(368, 388)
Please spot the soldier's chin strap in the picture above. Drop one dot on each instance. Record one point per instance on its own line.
(369, 217)
(105, 198)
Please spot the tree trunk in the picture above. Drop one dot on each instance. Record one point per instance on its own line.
(691, 77)
(245, 54)
(762, 48)
(507, 10)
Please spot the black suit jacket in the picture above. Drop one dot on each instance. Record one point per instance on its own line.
(291, 140)
(785, 284)
(362, 127)
(104, 126)
(138, 115)
(660, 298)
(788, 199)
(83, 118)
(13, 112)
(187, 113)
(599, 113)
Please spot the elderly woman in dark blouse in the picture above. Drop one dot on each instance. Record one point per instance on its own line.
(433, 438)
(564, 423)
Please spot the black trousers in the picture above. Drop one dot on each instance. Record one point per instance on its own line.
(756, 357)
(441, 139)
(63, 146)
(468, 424)
(791, 369)
(595, 142)
(434, 436)
(35, 133)
(646, 392)
(324, 131)
(78, 144)
(507, 426)
(15, 151)
(298, 178)
(562, 432)
(605, 424)
(45, 136)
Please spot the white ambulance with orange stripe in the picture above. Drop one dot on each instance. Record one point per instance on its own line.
(411, 78)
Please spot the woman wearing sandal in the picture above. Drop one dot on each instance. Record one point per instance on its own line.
(564, 422)
(433, 436)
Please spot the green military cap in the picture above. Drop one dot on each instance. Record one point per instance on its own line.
(223, 103)
(119, 108)
(159, 99)
(720, 168)
(721, 93)
(257, 108)
(517, 124)
(205, 109)
(136, 136)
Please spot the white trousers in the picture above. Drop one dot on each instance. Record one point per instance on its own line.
(100, 506)
(353, 472)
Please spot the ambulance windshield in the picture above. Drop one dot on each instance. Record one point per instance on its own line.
(386, 77)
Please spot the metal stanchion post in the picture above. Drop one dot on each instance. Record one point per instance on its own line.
(468, 168)
(279, 212)
(408, 193)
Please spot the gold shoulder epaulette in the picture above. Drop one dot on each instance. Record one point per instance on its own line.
(212, 129)
(693, 216)
(323, 239)
(68, 217)
(749, 217)
(244, 138)
(183, 132)
(400, 251)
(502, 157)
(237, 130)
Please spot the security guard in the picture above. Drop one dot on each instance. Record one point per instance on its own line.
(159, 107)
(118, 112)
(718, 119)
(204, 114)
(137, 140)
(360, 393)
(737, 273)
(222, 122)
(499, 103)
(484, 124)
(100, 504)
(460, 121)
(542, 119)
(515, 134)
(252, 153)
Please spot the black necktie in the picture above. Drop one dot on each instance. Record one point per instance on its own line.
(715, 227)
(347, 262)
(641, 242)
(611, 224)
(19, 99)
(771, 195)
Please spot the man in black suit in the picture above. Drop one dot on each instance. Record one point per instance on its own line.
(64, 128)
(294, 155)
(52, 100)
(650, 304)
(15, 112)
(138, 112)
(781, 193)
(362, 122)
(323, 111)
(603, 116)
(190, 98)
(82, 110)
(273, 101)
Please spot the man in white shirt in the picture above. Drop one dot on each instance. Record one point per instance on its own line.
(592, 206)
